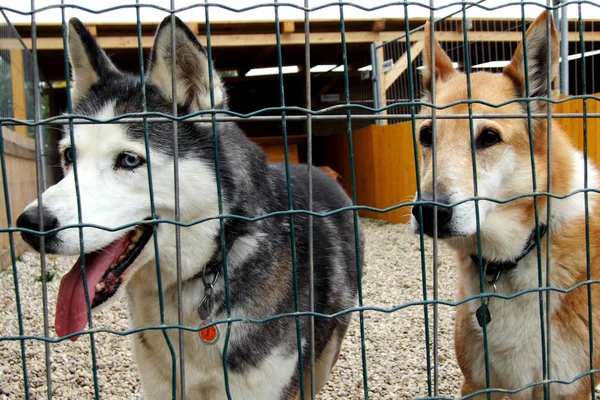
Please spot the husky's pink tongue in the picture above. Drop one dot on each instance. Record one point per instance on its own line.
(71, 309)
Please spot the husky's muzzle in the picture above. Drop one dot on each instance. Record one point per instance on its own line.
(31, 219)
(105, 268)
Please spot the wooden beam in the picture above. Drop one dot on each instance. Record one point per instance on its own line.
(93, 30)
(233, 40)
(382, 94)
(288, 27)
(401, 65)
(465, 24)
(194, 27)
(378, 25)
(245, 40)
(17, 77)
(483, 36)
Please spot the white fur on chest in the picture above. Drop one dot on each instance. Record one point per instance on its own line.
(203, 362)
(514, 335)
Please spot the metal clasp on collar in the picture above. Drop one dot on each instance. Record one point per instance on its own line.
(484, 310)
(206, 304)
(210, 335)
(492, 278)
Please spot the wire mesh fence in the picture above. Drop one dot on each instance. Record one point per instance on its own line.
(382, 86)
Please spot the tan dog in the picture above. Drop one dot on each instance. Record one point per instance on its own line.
(508, 244)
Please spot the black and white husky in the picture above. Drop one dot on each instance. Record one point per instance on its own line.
(112, 167)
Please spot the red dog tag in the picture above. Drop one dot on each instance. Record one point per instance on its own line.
(209, 335)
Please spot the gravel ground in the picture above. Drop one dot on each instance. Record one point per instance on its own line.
(395, 342)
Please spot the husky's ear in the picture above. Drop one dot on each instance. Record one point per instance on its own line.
(442, 63)
(539, 60)
(191, 68)
(90, 64)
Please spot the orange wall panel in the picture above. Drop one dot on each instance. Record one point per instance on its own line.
(384, 168)
(574, 127)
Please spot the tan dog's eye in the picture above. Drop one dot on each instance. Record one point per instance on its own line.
(426, 136)
(487, 138)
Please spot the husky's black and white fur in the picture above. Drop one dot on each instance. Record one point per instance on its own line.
(112, 167)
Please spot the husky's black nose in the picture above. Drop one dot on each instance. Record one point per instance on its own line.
(444, 215)
(30, 219)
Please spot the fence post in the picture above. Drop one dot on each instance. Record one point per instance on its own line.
(379, 95)
(375, 78)
(564, 47)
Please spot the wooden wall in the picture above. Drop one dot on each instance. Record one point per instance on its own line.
(17, 75)
(385, 167)
(574, 126)
(274, 148)
(22, 187)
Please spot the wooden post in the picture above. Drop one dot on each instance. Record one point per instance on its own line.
(378, 25)
(194, 27)
(93, 31)
(17, 73)
(288, 27)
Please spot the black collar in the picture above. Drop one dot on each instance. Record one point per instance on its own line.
(212, 267)
(493, 269)
(215, 264)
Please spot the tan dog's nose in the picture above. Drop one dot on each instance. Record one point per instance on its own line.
(424, 213)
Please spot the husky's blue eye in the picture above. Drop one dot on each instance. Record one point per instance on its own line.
(487, 138)
(68, 155)
(426, 136)
(129, 161)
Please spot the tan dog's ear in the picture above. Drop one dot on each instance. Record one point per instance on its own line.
(539, 60)
(442, 63)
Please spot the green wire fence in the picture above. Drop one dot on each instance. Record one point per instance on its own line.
(401, 105)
